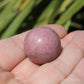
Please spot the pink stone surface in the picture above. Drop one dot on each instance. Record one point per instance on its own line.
(42, 45)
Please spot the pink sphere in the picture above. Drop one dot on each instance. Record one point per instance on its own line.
(42, 45)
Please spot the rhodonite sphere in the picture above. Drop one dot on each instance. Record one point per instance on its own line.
(42, 45)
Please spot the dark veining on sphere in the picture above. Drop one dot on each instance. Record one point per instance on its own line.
(42, 45)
